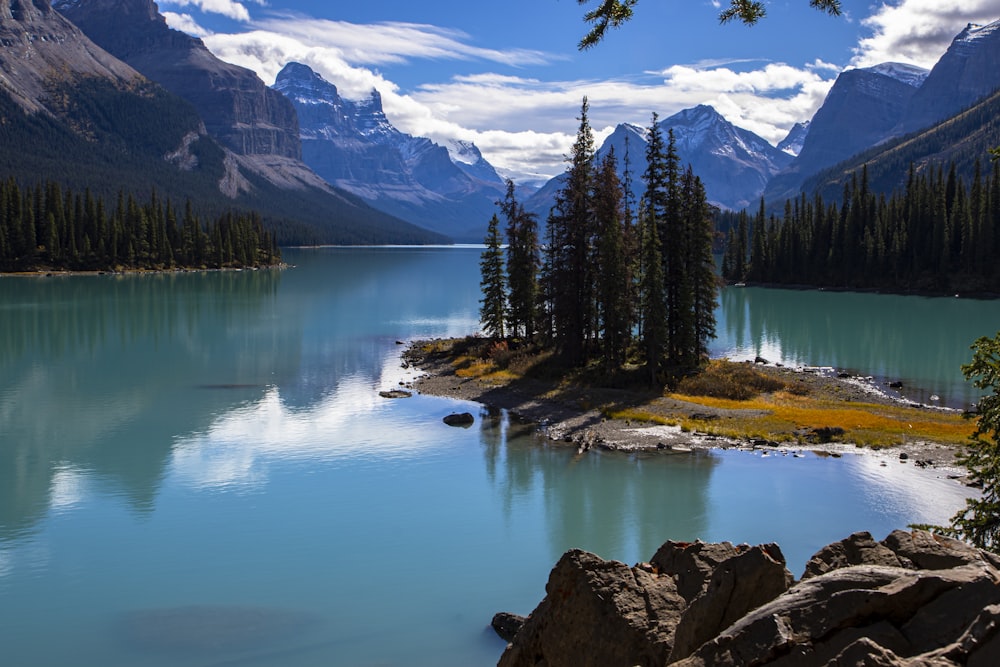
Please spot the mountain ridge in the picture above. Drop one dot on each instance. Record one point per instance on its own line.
(354, 146)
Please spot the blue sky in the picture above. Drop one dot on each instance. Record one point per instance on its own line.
(507, 75)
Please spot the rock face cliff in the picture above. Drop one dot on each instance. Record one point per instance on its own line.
(861, 109)
(38, 46)
(967, 72)
(911, 599)
(353, 145)
(238, 109)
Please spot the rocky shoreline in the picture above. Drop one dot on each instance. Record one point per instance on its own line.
(913, 599)
(565, 417)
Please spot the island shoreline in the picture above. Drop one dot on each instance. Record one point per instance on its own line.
(565, 422)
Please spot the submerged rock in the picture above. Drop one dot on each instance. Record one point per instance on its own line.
(912, 599)
(460, 419)
(395, 393)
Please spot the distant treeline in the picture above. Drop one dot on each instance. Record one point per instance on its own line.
(939, 235)
(45, 227)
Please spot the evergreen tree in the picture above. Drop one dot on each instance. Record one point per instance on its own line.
(493, 309)
(522, 265)
(571, 252)
(612, 284)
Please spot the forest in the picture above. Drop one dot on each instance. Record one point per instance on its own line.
(46, 228)
(612, 283)
(940, 234)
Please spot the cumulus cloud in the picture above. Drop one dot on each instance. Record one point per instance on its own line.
(522, 124)
(918, 31)
(185, 23)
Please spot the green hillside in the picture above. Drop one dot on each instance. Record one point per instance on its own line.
(111, 138)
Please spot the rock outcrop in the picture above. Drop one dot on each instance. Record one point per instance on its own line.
(912, 599)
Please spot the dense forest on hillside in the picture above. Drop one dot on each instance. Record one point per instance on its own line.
(44, 227)
(106, 138)
(940, 234)
(961, 140)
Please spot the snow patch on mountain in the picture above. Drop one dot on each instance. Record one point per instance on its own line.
(975, 31)
(796, 137)
(911, 75)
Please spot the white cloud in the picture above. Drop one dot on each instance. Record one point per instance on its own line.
(918, 31)
(185, 23)
(523, 125)
(228, 8)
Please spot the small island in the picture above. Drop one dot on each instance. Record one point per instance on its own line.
(727, 405)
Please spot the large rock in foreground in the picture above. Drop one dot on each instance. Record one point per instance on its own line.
(911, 599)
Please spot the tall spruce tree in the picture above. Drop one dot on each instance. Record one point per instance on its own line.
(493, 305)
(522, 265)
(571, 253)
(612, 282)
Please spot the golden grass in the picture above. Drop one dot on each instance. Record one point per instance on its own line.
(783, 417)
(759, 406)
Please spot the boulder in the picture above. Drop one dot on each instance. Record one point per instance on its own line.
(858, 549)
(598, 613)
(464, 419)
(506, 625)
(914, 599)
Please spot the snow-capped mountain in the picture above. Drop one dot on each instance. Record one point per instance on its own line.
(792, 143)
(968, 71)
(352, 144)
(861, 110)
(734, 164)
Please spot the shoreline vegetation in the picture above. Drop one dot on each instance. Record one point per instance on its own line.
(727, 405)
(46, 229)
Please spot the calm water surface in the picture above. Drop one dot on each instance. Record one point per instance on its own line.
(197, 469)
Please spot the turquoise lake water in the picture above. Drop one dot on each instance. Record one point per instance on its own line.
(197, 469)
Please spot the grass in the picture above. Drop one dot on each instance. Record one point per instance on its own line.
(784, 417)
(726, 399)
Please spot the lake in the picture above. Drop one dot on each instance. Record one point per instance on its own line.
(197, 468)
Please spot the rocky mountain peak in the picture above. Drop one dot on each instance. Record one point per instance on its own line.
(238, 109)
(40, 47)
(911, 75)
(793, 141)
(967, 72)
(299, 82)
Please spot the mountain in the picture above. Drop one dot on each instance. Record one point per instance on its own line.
(967, 72)
(734, 164)
(796, 137)
(238, 109)
(353, 146)
(241, 148)
(861, 110)
(962, 139)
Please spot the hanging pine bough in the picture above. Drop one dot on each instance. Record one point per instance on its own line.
(46, 228)
(613, 13)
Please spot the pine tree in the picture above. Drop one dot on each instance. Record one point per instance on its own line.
(612, 283)
(493, 309)
(522, 266)
(571, 254)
